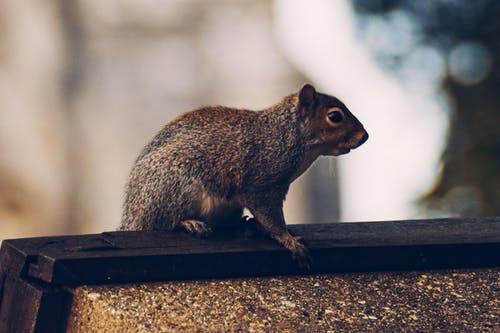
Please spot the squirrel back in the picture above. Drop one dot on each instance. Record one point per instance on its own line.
(208, 164)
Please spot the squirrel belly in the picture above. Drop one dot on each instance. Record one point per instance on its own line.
(206, 166)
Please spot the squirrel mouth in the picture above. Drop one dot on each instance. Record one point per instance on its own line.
(340, 151)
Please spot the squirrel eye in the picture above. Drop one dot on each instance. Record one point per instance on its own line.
(335, 117)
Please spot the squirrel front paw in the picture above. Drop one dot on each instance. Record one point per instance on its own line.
(301, 254)
(196, 228)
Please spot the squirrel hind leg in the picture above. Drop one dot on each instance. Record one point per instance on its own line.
(195, 227)
(220, 213)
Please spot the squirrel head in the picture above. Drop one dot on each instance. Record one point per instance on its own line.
(333, 129)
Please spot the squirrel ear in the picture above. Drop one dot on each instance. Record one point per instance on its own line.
(307, 95)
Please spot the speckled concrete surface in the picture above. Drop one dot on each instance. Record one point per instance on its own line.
(430, 301)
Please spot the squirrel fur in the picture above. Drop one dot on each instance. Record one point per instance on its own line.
(204, 167)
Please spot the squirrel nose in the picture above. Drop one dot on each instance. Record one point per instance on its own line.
(358, 139)
(364, 138)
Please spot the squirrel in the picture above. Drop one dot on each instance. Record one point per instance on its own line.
(203, 168)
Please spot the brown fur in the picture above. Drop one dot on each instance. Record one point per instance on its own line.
(201, 169)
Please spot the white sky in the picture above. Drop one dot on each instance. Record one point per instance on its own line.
(382, 179)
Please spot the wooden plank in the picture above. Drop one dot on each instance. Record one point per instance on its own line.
(30, 307)
(338, 247)
(19, 306)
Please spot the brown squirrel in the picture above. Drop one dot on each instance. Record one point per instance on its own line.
(204, 167)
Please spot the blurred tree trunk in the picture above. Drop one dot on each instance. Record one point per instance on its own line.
(71, 79)
(470, 178)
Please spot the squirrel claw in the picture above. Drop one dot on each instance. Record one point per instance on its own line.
(300, 253)
(196, 228)
(302, 256)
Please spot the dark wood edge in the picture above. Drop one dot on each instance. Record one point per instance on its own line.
(28, 306)
(34, 272)
(113, 257)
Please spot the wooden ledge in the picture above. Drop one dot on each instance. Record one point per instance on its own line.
(114, 257)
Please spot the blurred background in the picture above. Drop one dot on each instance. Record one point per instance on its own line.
(84, 84)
